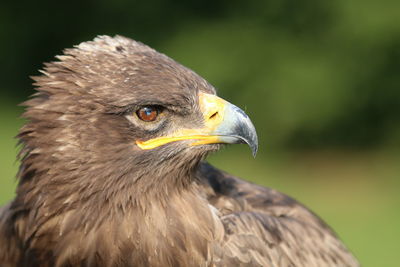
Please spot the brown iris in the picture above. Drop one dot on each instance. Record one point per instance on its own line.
(148, 113)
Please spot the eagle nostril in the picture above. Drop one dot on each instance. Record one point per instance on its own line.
(213, 116)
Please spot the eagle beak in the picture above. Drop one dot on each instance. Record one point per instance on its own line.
(223, 123)
(226, 123)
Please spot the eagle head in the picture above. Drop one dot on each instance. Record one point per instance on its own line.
(114, 111)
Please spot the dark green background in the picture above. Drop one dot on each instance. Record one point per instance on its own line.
(320, 80)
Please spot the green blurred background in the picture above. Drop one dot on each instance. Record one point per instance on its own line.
(320, 80)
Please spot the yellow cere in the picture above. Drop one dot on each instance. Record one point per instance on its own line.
(209, 105)
(213, 109)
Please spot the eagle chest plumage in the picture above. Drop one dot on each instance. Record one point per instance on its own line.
(113, 174)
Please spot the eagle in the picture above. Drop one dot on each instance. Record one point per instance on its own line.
(113, 173)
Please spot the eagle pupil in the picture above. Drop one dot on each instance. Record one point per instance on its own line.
(147, 113)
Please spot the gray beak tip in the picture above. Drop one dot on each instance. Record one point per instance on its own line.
(253, 144)
(254, 151)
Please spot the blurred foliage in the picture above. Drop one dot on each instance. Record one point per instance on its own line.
(312, 75)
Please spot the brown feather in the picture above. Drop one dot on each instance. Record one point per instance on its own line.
(266, 228)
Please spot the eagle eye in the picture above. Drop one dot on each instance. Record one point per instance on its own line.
(148, 113)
